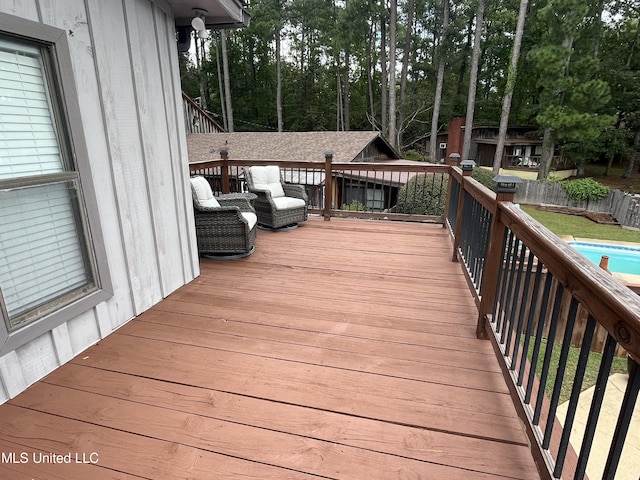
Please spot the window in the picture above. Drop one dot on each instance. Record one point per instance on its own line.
(47, 244)
(375, 199)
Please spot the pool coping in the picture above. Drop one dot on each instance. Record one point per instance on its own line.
(628, 279)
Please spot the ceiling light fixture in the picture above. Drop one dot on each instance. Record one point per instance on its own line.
(198, 20)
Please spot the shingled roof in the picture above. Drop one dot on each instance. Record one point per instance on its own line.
(294, 146)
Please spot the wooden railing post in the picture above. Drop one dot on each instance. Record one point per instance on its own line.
(448, 198)
(224, 170)
(492, 265)
(328, 185)
(458, 230)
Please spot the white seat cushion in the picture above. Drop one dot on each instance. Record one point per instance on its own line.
(251, 218)
(285, 203)
(212, 202)
(268, 178)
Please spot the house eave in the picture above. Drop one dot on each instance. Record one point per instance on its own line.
(221, 14)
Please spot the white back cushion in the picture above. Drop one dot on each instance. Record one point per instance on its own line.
(202, 193)
(268, 178)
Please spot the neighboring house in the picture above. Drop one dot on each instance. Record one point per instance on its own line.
(292, 146)
(308, 147)
(522, 146)
(96, 224)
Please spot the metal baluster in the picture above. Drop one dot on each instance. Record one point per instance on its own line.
(585, 350)
(596, 406)
(512, 279)
(557, 305)
(515, 297)
(508, 272)
(562, 366)
(624, 420)
(536, 344)
(532, 312)
(506, 240)
(523, 307)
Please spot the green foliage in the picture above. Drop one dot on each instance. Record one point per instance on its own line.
(575, 73)
(354, 206)
(485, 177)
(413, 155)
(585, 189)
(423, 195)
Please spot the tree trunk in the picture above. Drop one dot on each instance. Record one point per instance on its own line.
(405, 65)
(548, 146)
(202, 80)
(339, 117)
(225, 123)
(227, 83)
(465, 57)
(632, 158)
(372, 109)
(279, 82)
(473, 81)
(440, 80)
(511, 83)
(383, 75)
(346, 126)
(607, 170)
(392, 72)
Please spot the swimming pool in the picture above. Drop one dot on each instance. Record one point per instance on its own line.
(622, 258)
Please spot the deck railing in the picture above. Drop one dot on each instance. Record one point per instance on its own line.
(532, 290)
(411, 192)
(196, 119)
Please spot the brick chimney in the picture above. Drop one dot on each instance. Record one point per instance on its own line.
(456, 135)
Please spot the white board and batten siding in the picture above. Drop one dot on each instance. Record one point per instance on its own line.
(126, 71)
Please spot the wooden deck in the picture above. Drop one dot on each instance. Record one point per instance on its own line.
(342, 350)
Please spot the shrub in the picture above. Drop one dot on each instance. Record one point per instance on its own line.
(423, 195)
(485, 177)
(413, 155)
(354, 206)
(584, 189)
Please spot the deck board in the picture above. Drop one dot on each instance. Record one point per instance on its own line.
(341, 350)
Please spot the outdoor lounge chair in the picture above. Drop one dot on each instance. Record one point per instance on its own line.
(279, 204)
(225, 225)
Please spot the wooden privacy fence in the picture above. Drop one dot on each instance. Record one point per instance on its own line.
(624, 207)
(529, 286)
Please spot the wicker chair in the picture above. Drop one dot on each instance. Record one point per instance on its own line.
(279, 204)
(225, 225)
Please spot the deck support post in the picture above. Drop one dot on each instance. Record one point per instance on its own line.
(492, 266)
(458, 230)
(328, 185)
(448, 198)
(224, 170)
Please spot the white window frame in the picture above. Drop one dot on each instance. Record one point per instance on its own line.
(59, 69)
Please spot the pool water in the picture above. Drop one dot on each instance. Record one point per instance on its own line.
(622, 259)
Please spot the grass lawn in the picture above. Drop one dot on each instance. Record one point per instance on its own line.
(591, 373)
(562, 224)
